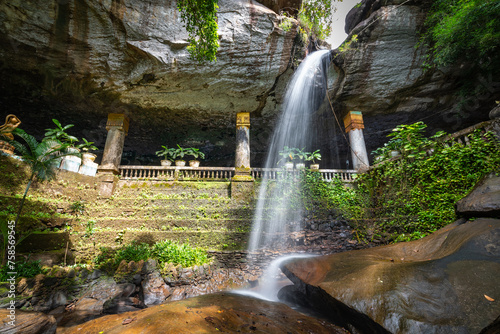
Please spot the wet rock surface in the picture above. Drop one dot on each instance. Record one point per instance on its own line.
(26, 322)
(483, 200)
(444, 283)
(221, 312)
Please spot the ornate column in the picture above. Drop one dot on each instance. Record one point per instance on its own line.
(354, 126)
(242, 182)
(242, 161)
(117, 127)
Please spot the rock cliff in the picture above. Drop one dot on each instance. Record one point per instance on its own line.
(380, 72)
(78, 60)
(127, 55)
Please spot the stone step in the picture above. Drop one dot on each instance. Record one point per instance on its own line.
(214, 240)
(157, 189)
(136, 224)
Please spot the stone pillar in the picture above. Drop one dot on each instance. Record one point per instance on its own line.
(117, 127)
(242, 186)
(354, 125)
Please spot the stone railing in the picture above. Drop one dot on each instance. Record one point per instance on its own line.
(172, 173)
(345, 175)
(460, 137)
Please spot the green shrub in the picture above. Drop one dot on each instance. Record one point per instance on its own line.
(409, 198)
(133, 252)
(172, 252)
(164, 252)
(23, 268)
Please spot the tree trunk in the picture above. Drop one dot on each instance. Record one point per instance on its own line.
(5, 246)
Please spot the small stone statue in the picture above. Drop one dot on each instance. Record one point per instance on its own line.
(11, 122)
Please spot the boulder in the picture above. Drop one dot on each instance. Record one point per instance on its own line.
(483, 200)
(154, 289)
(26, 322)
(444, 283)
(221, 312)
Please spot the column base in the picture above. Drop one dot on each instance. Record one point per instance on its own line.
(242, 188)
(106, 183)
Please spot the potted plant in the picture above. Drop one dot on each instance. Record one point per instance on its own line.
(179, 152)
(196, 153)
(86, 147)
(288, 155)
(300, 154)
(168, 153)
(59, 135)
(313, 156)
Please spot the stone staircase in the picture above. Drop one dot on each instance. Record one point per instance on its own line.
(200, 213)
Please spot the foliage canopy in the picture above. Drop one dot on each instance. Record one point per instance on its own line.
(200, 19)
(459, 30)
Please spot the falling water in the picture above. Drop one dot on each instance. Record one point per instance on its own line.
(272, 279)
(274, 214)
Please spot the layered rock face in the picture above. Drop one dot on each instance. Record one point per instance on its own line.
(139, 50)
(381, 74)
(131, 57)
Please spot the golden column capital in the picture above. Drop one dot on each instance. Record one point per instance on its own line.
(120, 121)
(353, 120)
(243, 119)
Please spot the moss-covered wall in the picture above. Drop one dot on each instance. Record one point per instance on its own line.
(67, 213)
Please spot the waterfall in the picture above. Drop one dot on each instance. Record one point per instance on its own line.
(275, 212)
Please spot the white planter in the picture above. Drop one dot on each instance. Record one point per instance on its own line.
(88, 168)
(180, 163)
(288, 165)
(88, 158)
(71, 163)
(166, 163)
(314, 166)
(300, 165)
(194, 163)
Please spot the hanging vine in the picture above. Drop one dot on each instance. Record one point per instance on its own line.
(200, 20)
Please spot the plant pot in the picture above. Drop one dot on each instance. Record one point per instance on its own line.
(73, 150)
(288, 165)
(71, 163)
(300, 165)
(194, 163)
(6, 147)
(166, 163)
(180, 163)
(88, 168)
(314, 166)
(88, 157)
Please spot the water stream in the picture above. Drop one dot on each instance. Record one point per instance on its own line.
(275, 214)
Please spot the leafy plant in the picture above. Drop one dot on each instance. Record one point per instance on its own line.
(168, 153)
(168, 251)
(200, 20)
(286, 22)
(316, 16)
(23, 268)
(415, 195)
(179, 152)
(87, 146)
(59, 133)
(313, 156)
(459, 30)
(287, 154)
(42, 159)
(196, 153)
(77, 207)
(133, 252)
